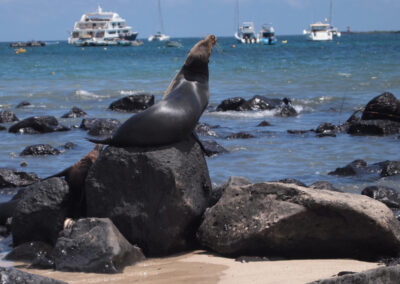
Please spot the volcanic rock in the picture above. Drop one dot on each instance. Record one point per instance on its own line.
(381, 275)
(240, 135)
(74, 113)
(23, 104)
(7, 116)
(275, 219)
(324, 185)
(36, 125)
(39, 150)
(231, 104)
(40, 212)
(133, 103)
(386, 195)
(203, 129)
(155, 196)
(213, 148)
(13, 178)
(384, 106)
(100, 126)
(94, 245)
(10, 275)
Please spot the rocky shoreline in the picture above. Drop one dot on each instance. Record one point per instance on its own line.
(159, 201)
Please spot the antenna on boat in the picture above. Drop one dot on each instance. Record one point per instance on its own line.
(330, 14)
(99, 9)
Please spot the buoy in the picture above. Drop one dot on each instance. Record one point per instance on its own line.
(284, 41)
(20, 50)
(83, 48)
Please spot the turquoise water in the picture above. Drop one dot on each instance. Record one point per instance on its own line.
(326, 81)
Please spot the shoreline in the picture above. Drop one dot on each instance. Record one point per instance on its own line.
(203, 267)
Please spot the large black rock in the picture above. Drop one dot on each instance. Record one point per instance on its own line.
(231, 104)
(37, 124)
(384, 194)
(378, 127)
(390, 168)
(94, 245)
(286, 220)
(29, 251)
(13, 178)
(7, 116)
(381, 275)
(384, 106)
(133, 103)
(260, 103)
(40, 212)
(13, 276)
(155, 196)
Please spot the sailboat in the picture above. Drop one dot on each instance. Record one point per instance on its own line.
(159, 36)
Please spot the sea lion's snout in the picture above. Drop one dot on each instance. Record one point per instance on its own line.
(212, 39)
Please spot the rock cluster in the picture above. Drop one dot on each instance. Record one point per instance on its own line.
(133, 103)
(37, 124)
(282, 107)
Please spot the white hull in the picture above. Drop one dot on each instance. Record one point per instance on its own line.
(158, 37)
(320, 36)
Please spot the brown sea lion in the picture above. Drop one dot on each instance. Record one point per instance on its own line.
(174, 117)
(75, 176)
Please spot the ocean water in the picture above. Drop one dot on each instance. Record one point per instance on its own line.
(326, 82)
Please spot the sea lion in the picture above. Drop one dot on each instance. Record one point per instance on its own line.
(174, 117)
(75, 176)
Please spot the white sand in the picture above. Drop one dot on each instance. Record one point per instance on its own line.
(202, 267)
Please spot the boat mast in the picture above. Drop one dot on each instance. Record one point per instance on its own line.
(330, 14)
(237, 15)
(160, 21)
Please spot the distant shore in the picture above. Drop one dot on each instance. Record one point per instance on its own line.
(371, 32)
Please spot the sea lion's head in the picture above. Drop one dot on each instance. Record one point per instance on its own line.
(199, 56)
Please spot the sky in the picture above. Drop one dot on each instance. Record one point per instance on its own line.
(54, 19)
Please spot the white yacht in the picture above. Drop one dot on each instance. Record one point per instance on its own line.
(323, 31)
(159, 36)
(319, 32)
(101, 28)
(246, 33)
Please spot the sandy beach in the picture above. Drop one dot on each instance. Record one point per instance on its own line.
(203, 267)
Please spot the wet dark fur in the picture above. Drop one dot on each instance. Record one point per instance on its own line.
(176, 115)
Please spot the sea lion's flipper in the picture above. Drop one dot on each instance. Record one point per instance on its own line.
(196, 137)
(106, 141)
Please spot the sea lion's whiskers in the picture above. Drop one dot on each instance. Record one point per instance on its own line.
(218, 48)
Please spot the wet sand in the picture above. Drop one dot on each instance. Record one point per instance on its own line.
(203, 267)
